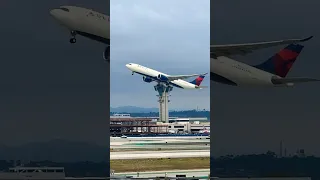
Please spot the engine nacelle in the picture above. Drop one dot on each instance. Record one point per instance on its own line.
(290, 84)
(147, 79)
(106, 54)
(162, 77)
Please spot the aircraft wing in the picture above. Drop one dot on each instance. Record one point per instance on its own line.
(293, 80)
(243, 49)
(201, 87)
(176, 77)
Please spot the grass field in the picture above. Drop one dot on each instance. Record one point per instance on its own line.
(134, 165)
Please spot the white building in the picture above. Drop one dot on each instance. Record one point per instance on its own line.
(187, 127)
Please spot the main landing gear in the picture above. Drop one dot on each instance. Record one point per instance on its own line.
(132, 73)
(73, 37)
(106, 54)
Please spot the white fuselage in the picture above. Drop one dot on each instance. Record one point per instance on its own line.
(240, 73)
(83, 20)
(150, 73)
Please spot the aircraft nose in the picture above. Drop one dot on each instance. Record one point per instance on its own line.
(54, 12)
(58, 14)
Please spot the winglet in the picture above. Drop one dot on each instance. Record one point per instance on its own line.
(306, 39)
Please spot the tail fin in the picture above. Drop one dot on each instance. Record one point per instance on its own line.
(198, 80)
(281, 63)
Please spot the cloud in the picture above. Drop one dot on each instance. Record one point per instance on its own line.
(169, 36)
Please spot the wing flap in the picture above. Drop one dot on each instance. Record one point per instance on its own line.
(293, 80)
(243, 49)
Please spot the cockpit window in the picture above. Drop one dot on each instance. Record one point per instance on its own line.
(130, 64)
(65, 9)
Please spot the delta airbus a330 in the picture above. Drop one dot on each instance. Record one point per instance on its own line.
(85, 22)
(150, 75)
(271, 73)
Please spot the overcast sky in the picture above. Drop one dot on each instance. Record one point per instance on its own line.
(49, 87)
(172, 37)
(247, 120)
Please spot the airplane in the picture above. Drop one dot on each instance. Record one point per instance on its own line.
(85, 22)
(204, 131)
(150, 75)
(271, 73)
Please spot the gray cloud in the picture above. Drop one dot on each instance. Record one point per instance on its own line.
(50, 88)
(169, 36)
(255, 120)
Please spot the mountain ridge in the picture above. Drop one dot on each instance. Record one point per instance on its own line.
(137, 109)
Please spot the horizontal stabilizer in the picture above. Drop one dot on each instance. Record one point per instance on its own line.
(201, 87)
(276, 80)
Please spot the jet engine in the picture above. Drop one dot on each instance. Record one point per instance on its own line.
(290, 84)
(106, 54)
(147, 79)
(162, 77)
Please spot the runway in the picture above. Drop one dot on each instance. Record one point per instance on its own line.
(199, 173)
(159, 154)
(164, 143)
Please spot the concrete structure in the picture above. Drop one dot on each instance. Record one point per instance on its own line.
(159, 154)
(191, 120)
(124, 124)
(179, 119)
(190, 173)
(186, 127)
(131, 126)
(163, 96)
(120, 116)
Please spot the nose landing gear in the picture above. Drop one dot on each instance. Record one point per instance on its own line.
(106, 54)
(73, 40)
(73, 37)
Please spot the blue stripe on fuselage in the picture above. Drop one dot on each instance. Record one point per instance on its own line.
(156, 79)
(94, 37)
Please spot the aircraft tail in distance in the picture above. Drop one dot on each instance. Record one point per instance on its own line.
(198, 80)
(281, 63)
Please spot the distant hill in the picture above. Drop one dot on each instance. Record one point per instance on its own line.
(55, 150)
(132, 109)
(186, 113)
(135, 109)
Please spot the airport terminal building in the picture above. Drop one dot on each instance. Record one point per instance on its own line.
(124, 124)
